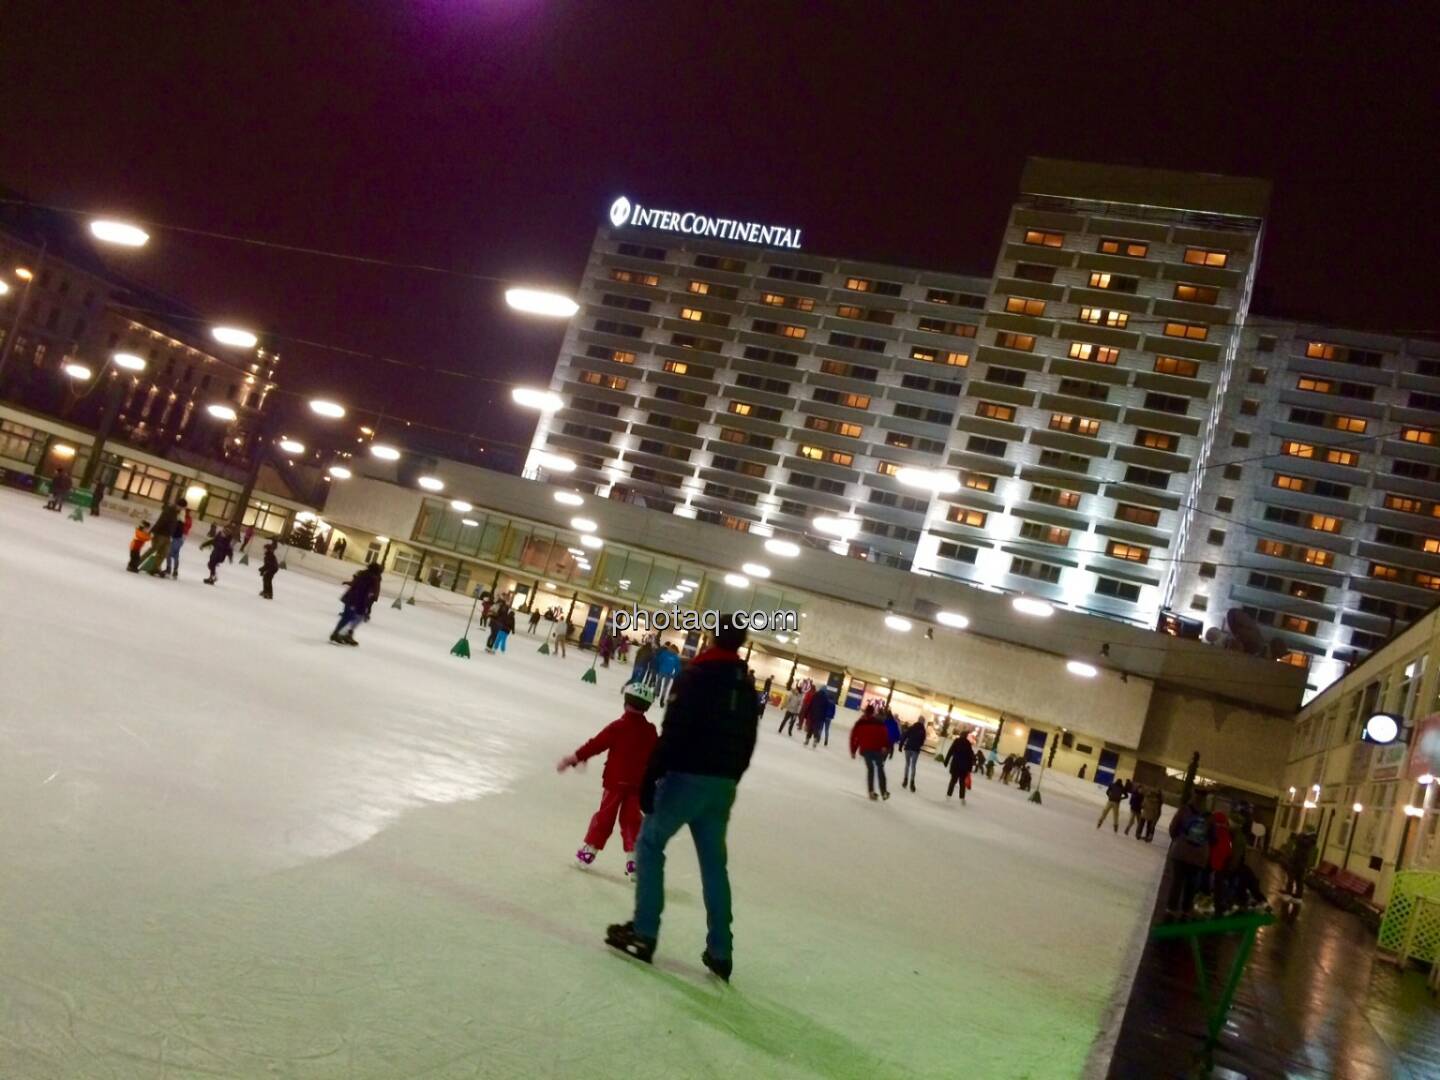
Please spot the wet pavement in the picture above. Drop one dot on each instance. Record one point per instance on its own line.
(1315, 1001)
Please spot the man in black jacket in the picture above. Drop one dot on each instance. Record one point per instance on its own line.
(705, 745)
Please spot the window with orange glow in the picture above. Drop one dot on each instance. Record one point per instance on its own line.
(1133, 249)
(993, 411)
(1129, 552)
(1193, 331)
(1196, 256)
(1038, 238)
(1174, 365)
(1098, 354)
(965, 516)
(1021, 305)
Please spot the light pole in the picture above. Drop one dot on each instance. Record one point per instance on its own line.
(113, 394)
(1350, 840)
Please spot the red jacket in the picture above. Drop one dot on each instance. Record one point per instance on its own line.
(629, 741)
(869, 734)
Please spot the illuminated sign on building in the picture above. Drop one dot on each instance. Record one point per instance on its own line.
(623, 212)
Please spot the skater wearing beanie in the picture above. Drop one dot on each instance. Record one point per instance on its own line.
(960, 759)
(269, 566)
(359, 597)
(705, 746)
(137, 546)
(629, 742)
(871, 741)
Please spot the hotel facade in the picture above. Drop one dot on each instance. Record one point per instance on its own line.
(1082, 402)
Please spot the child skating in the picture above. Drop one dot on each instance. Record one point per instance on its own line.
(137, 546)
(629, 741)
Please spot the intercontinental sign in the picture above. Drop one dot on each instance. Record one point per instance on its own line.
(623, 212)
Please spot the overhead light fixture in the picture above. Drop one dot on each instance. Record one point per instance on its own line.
(234, 336)
(583, 524)
(290, 446)
(461, 506)
(1029, 605)
(24, 273)
(550, 585)
(221, 412)
(782, 638)
(541, 302)
(128, 361)
(333, 410)
(687, 581)
(1414, 811)
(1425, 779)
(578, 552)
(952, 619)
(78, 372)
(737, 581)
(431, 483)
(469, 523)
(63, 450)
(1359, 808)
(382, 539)
(755, 569)
(119, 232)
(569, 498)
(1381, 728)
(784, 548)
(1079, 667)
(339, 472)
(554, 462)
(844, 528)
(898, 622)
(546, 401)
(383, 452)
(591, 542)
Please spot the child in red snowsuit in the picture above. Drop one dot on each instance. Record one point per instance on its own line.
(629, 741)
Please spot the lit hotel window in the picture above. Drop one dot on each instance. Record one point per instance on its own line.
(1197, 294)
(1133, 249)
(1129, 552)
(1297, 449)
(1173, 365)
(963, 516)
(1097, 316)
(1193, 331)
(1099, 354)
(1206, 257)
(1021, 342)
(1044, 239)
(676, 367)
(1427, 581)
(993, 411)
(1423, 436)
(1289, 483)
(978, 481)
(1317, 386)
(1020, 305)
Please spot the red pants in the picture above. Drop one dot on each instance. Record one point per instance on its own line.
(624, 801)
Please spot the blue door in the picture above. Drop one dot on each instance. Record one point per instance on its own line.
(1035, 748)
(855, 695)
(1105, 771)
(591, 627)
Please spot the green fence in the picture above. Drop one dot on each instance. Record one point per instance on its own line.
(1411, 927)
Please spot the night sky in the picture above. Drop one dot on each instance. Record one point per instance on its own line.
(489, 136)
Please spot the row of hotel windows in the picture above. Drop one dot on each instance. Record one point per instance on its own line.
(1041, 571)
(786, 273)
(795, 333)
(1025, 305)
(1130, 249)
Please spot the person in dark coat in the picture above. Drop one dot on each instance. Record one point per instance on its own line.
(705, 746)
(97, 496)
(162, 536)
(221, 548)
(359, 597)
(817, 714)
(1137, 806)
(912, 744)
(59, 491)
(269, 567)
(870, 740)
(1189, 856)
(892, 729)
(960, 760)
(497, 626)
(1114, 796)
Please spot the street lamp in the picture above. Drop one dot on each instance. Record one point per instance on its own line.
(119, 232)
(339, 472)
(384, 453)
(128, 361)
(221, 411)
(546, 401)
(78, 372)
(234, 336)
(328, 409)
(291, 446)
(541, 302)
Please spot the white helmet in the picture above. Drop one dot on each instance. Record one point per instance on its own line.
(640, 691)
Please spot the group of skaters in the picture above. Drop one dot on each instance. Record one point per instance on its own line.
(1144, 803)
(62, 484)
(813, 707)
(155, 548)
(1211, 861)
(1017, 768)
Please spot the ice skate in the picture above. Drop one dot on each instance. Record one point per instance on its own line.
(348, 639)
(721, 968)
(885, 795)
(337, 639)
(873, 797)
(586, 855)
(622, 936)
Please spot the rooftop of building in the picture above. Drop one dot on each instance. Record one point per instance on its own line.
(1167, 189)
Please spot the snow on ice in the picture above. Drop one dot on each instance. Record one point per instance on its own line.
(234, 849)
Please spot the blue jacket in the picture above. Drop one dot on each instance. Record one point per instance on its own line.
(667, 664)
(892, 728)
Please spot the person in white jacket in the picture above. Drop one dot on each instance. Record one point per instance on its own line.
(559, 630)
(793, 698)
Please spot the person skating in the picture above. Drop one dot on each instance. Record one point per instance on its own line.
(817, 715)
(871, 741)
(705, 746)
(359, 597)
(269, 567)
(1114, 796)
(59, 491)
(1137, 807)
(178, 532)
(791, 709)
(559, 631)
(221, 548)
(507, 628)
(765, 693)
(1149, 814)
(97, 496)
(641, 671)
(534, 621)
(628, 743)
(1008, 768)
(892, 729)
(667, 664)
(162, 536)
(912, 743)
(1297, 862)
(497, 626)
(137, 546)
(960, 760)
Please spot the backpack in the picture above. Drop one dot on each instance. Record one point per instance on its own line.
(1196, 831)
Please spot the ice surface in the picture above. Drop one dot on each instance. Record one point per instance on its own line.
(231, 848)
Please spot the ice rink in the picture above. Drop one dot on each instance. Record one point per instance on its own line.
(233, 849)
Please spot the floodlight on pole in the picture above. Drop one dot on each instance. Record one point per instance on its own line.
(546, 401)
(110, 231)
(234, 336)
(541, 302)
(128, 361)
